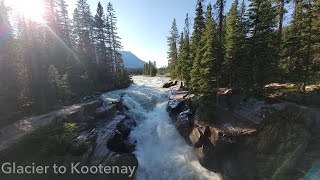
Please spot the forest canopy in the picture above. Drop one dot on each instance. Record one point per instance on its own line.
(59, 59)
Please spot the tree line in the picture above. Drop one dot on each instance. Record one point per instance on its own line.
(150, 69)
(247, 47)
(56, 61)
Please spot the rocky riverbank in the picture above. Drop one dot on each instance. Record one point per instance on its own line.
(93, 133)
(247, 138)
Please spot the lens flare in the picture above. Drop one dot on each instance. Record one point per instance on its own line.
(31, 9)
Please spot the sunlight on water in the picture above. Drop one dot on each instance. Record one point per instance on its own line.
(162, 153)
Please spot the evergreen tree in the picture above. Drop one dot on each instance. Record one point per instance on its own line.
(114, 40)
(209, 59)
(198, 28)
(186, 62)
(82, 24)
(244, 72)
(178, 67)
(8, 68)
(63, 21)
(173, 51)
(220, 4)
(262, 16)
(100, 35)
(50, 14)
(231, 39)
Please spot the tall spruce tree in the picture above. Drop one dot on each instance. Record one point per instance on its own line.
(63, 21)
(8, 61)
(114, 39)
(244, 72)
(178, 67)
(220, 4)
(173, 50)
(208, 56)
(262, 16)
(230, 64)
(198, 28)
(100, 35)
(186, 62)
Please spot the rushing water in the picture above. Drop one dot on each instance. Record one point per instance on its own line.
(162, 153)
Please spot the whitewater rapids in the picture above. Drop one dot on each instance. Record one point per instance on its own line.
(162, 153)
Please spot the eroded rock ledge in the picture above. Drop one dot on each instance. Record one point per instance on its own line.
(246, 138)
(102, 128)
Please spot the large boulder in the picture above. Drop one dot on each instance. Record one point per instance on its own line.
(125, 126)
(119, 141)
(184, 125)
(170, 84)
(120, 144)
(175, 107)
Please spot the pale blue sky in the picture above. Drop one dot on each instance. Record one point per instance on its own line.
(144, 25)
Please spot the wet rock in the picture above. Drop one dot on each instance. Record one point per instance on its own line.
(118, 143)
(174, 107)
(184, 125)
(90, 107)
(105, 111)
(170, 84)
(105, 130)
(125, 126)
(119, 104)
(125, 160)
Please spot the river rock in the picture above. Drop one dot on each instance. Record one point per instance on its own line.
(125, 126)
(105, 111)
(118, 143)
(174, 107)
(184, 125)
(170, 84)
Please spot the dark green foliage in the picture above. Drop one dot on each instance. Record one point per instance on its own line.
(135, 71)
(173, 50)
(208, 56)
(185, 62)
(232, 30)
(247, 49)
(198, 28)
(150, 69)
(262, 41)
(42, 67)
(195, 57)
(60, 142)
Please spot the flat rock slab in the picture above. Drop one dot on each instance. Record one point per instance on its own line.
(14, 132)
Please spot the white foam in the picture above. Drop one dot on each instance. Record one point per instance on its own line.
(162, 153)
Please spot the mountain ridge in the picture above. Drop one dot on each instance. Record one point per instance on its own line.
(130, 60)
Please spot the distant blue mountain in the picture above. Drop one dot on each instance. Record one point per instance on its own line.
(130, 60)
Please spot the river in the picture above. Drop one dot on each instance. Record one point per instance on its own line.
(162, 153)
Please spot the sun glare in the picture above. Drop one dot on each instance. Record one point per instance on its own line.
(32, 9)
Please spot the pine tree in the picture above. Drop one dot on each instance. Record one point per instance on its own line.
(114, 39)
(50, 14)
(302, 44)
(209, 59)
(82, 24)
(230, 66)
(198, 28)
(8, 68)
(100, 35)
(262, 17)
(186, 62)
(178, 67)
(244, 63)
(173, 51)
(220, 4)
(63, 21)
